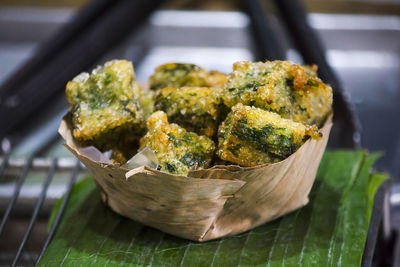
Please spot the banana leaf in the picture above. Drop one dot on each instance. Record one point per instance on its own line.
(330, 231)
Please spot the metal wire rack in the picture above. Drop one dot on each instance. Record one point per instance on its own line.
(51, 167)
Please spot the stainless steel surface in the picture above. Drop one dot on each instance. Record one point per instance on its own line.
(364, 50)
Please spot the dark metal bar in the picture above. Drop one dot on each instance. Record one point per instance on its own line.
(17, 190)
(4, 163)
(61, 209)
(347, 125)
(81, 53)
(263, 33)
(376, 220)
(61, 39)
(36, 210)
(396, 251)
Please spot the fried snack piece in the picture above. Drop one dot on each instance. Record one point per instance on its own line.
(251, 136)
(121, 155)
(293, 91)
(147, 103)
(177, 150)
(105, 106)
(178, 75)
(197, 109)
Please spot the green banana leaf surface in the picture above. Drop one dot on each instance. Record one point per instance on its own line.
(330, 231)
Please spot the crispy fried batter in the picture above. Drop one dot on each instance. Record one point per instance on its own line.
(147, 102)
(275, 107)
(293, 91)
(178, 75)
(251, 136)
(197, 109)
(177, 150)
(122, 154)
(104, 104)
(119, 157)
(216, 79)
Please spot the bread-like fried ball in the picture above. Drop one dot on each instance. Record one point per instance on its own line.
(179, 74)
(197, 109)
(251, 136)
(105, 106)
(177, 150)
(293, 91)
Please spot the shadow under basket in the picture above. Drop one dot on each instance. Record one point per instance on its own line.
(211, 203)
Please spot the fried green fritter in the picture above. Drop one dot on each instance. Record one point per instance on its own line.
(178, 75)
(121, 155)
(147, 103)
(177, 150)
(293, 91)
(105, 106)
(251, 136)
(197, 109)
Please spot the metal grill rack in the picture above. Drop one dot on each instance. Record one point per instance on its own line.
(86, 33)
(49, 168)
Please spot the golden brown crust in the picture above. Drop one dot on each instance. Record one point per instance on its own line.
(105, 107)
(181, 74)
(293, 91)
(251, 136)
(197, 109)
(177, 150)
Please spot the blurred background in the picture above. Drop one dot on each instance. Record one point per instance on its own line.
(43, 44)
